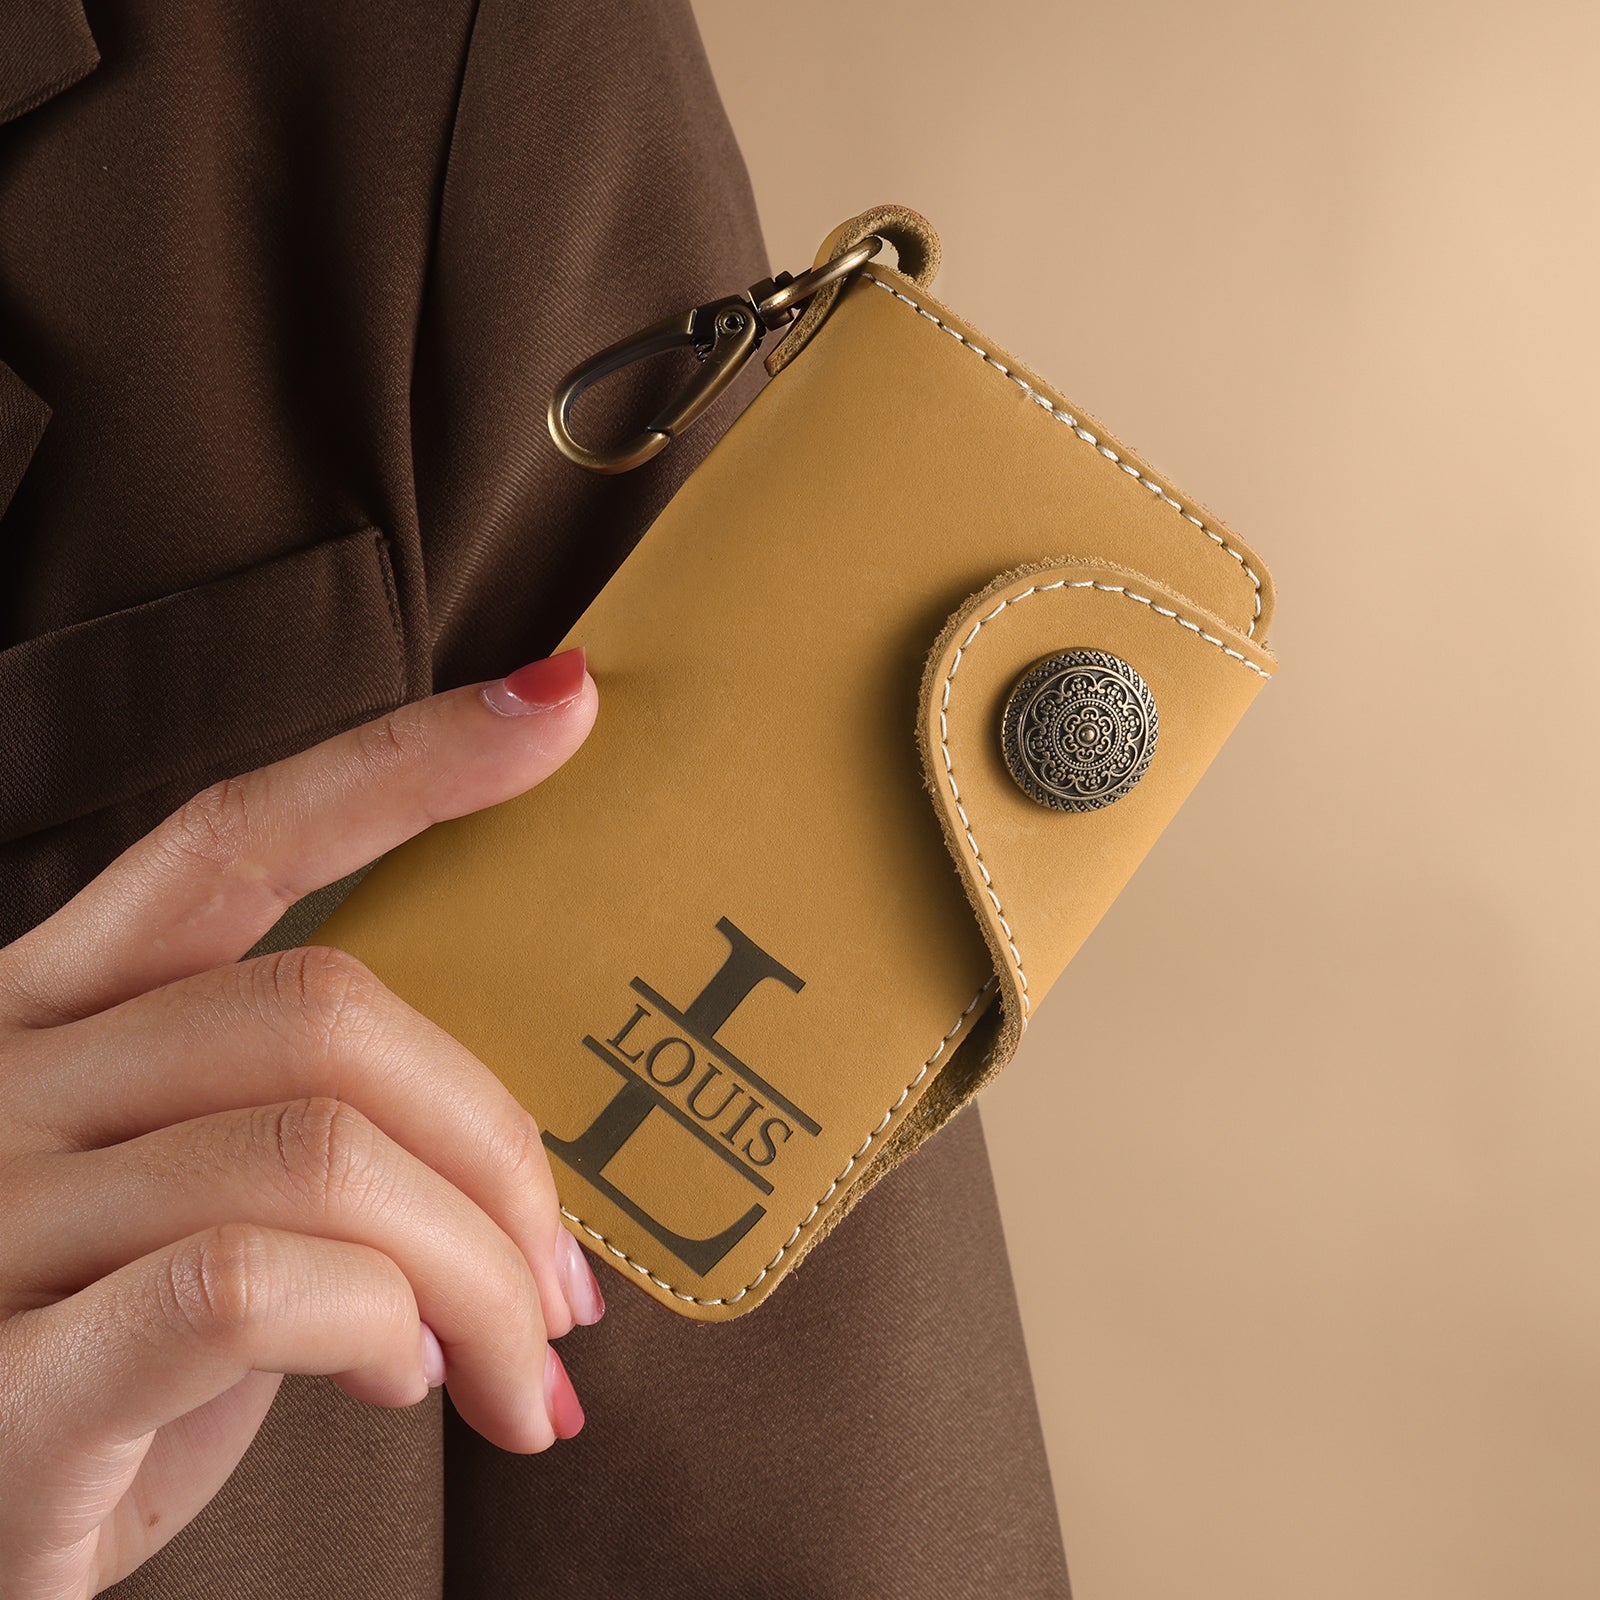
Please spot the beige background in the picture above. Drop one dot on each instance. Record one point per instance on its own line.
(1301, 1163)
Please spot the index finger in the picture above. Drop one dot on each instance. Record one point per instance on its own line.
(204, 885)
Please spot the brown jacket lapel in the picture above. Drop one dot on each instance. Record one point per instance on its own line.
(45, 47)
(23, 416)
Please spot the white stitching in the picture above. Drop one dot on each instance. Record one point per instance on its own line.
(944, 725)
(827, 1194)
(1088, 438)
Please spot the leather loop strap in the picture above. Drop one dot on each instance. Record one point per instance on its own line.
(915, 242)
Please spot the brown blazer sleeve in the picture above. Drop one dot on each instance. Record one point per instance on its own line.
(283, 292)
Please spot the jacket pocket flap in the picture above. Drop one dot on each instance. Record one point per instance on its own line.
(293, 645)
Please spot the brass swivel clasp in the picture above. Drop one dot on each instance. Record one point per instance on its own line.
(723, 334)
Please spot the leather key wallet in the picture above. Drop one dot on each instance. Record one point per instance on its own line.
(895, 694)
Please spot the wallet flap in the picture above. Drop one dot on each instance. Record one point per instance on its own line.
(1041, 877)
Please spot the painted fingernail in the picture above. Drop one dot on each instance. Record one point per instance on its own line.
(432, 1357)
(560, 1398)
(540, 685)
(578, 1281)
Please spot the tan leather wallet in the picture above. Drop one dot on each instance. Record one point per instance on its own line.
(894, 696)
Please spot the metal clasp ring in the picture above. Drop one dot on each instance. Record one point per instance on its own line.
(723, 334)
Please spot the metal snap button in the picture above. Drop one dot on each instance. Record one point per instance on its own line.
(1079, 730)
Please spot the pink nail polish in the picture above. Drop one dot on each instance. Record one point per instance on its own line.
(540, 685)
(432, 1357)
(566, 1412)
(578, 1281)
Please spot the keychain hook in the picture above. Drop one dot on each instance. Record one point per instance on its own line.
(724, 334)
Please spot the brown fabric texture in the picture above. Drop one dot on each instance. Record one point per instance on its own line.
(283, 294)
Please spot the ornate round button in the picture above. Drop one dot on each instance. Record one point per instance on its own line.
(1079, 729)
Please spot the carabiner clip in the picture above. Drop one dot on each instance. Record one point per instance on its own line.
(724, 334)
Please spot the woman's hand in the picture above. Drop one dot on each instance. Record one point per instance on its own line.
(214, 1171)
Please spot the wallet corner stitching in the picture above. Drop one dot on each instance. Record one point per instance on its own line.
(1088, 438)
(827, 1194)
